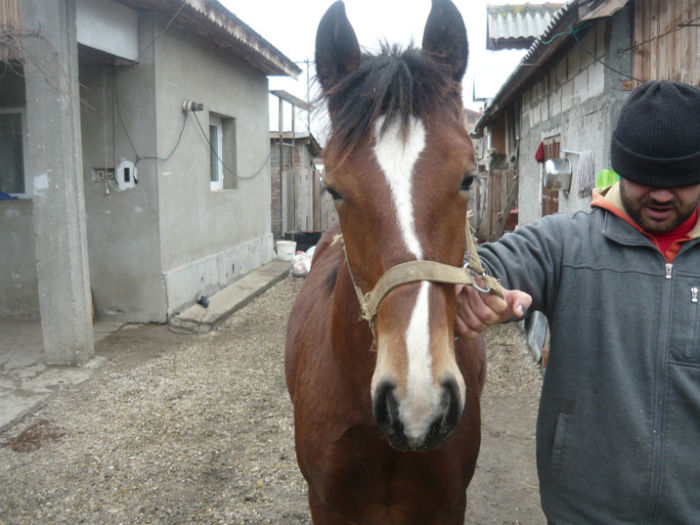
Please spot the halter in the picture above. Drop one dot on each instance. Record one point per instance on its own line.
(421, 270)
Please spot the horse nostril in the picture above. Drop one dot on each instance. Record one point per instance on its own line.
(386, 408)
(452, 404)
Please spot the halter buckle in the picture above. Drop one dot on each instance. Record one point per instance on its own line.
(475, 283)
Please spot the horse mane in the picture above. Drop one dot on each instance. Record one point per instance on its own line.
(395, 83)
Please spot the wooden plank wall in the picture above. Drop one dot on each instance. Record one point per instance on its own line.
(10, 15)
(667, 40)
(502, 197)
(10, 22)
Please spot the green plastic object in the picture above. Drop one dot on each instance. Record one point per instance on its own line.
(605, 178)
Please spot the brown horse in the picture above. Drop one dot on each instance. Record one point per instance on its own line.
(387, 421)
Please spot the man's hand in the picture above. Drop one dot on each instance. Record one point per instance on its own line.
(477, 311)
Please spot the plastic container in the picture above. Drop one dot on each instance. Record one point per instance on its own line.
(286, 250)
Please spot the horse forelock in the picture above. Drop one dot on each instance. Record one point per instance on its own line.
(395, 84)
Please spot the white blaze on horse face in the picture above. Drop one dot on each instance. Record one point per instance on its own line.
(397, 156)
(418, 408)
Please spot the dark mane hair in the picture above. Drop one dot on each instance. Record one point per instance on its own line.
(395, 83)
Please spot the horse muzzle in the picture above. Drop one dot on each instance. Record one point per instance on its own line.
(407, 430)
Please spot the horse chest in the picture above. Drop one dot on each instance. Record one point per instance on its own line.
(366, 481)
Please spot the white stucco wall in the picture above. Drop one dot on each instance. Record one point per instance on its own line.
(157, 247)
(209, 238)
(122, 226)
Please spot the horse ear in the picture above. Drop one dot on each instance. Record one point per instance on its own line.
(337, 50)
(445, 37)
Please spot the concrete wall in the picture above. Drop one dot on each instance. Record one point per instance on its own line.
(209, 238)
(108, 26)
(18, 280)
(578, 99)
(123, 229)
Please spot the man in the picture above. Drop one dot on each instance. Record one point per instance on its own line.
(618, 429)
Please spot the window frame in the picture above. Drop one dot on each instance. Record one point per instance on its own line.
(28, 193)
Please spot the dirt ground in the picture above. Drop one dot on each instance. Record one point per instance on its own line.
(177, 428)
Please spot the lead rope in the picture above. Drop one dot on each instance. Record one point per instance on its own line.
(491, 284)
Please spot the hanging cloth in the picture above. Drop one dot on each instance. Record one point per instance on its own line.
(585, 174)
(539, 154)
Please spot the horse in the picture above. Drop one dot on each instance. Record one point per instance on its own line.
(386, 401)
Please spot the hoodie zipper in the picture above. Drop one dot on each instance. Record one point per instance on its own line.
(689, 352)
(660, 395)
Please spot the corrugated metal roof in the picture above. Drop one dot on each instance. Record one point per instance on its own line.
(516, 26)
(216, 24)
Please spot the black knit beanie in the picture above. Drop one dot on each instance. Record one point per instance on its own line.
(657, 139)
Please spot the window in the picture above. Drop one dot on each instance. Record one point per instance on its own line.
(222, 153)
(12, 159)
(216, 168)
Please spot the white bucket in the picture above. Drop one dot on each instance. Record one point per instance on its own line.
(286, 250)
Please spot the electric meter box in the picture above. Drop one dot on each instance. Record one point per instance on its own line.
(125, 175)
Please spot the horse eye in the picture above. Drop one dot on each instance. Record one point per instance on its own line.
(334, 194)
(467, 181)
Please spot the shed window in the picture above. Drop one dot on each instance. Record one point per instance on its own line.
(12, 179)
(222, 153)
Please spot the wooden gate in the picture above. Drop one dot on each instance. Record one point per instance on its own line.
(502, 197)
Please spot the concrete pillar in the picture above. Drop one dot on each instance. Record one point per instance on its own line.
(55, 170)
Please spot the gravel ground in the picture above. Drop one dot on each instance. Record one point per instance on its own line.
(198, 429)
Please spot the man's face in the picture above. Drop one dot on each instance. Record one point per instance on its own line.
(658, 210)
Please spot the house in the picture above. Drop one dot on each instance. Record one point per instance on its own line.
(135, 168)
(470, 118)
(567, 91)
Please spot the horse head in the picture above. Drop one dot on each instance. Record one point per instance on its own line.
(396, 160)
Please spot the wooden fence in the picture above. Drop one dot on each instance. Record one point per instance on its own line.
(495, 197)
(667, 40)
(10, 26)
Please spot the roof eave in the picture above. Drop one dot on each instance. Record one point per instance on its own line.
(213, 22)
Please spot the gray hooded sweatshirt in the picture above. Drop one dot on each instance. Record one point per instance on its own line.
(618, 430)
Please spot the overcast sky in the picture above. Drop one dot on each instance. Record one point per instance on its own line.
(291, 27)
